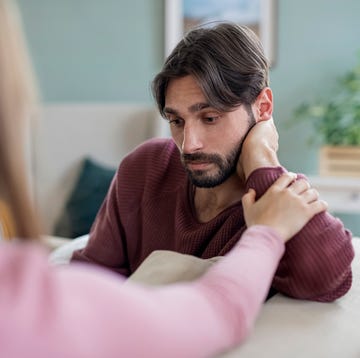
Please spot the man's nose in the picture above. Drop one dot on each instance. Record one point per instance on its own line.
(192, 139)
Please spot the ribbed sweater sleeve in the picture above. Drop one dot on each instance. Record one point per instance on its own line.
(316, 264)
(83, 311)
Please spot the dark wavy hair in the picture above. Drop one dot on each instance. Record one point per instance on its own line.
(227, 60)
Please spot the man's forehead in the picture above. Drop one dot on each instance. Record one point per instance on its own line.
(196, 107)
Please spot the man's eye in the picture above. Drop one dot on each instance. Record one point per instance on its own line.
(175, 122)
(211, 120)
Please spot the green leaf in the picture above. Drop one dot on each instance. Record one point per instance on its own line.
(336, 120)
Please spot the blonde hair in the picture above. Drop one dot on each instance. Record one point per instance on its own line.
(17, 99)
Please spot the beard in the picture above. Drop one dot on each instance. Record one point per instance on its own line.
(226, 165)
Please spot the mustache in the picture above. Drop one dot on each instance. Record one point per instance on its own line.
(199, 157)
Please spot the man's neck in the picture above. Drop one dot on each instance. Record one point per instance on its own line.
(209, 202)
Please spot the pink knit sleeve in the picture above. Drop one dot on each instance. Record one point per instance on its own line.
(84, 311)
(316, 265)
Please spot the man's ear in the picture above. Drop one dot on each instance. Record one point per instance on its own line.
(263, 106)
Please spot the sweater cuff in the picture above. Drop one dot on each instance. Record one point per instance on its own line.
(262, 178)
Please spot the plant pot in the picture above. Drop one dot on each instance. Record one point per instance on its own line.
(340, 161)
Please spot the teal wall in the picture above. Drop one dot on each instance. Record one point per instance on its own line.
(91, 50)
(318, 41)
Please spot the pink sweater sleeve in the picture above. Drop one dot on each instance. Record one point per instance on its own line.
(317, 261)
(83, 311)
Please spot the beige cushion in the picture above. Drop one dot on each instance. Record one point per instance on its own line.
(163, 267)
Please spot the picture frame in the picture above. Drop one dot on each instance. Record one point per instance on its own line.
(259, 15)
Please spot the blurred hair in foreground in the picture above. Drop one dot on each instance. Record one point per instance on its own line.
(17, 101)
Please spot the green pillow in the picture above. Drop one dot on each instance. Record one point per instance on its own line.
(85, 199)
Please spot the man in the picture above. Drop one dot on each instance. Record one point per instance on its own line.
(184, 194)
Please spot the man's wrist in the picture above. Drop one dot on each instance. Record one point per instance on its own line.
(260, 158)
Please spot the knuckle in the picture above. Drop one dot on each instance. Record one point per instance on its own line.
(315, 193)
(303, 183)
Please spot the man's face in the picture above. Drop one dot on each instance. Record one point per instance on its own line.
(209, 141)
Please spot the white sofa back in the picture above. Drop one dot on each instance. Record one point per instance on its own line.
(65, 133)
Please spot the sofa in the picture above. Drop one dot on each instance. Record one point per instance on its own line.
(64, 136)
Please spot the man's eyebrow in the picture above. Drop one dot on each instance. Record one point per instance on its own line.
(170, 111)
(198, 107)
(193, 108)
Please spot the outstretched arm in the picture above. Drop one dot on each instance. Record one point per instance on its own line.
(83, 311)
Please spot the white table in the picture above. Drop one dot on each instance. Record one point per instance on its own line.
(303, 329)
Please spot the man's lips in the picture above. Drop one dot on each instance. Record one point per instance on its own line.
(197, 165)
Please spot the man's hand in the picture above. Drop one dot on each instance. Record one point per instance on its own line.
(259, 149)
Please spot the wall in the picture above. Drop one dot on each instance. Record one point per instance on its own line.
(89, 50)
(318, 41)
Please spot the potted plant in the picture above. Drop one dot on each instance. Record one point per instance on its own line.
(336, 121)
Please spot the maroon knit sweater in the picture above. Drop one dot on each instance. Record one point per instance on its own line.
(149, 207)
